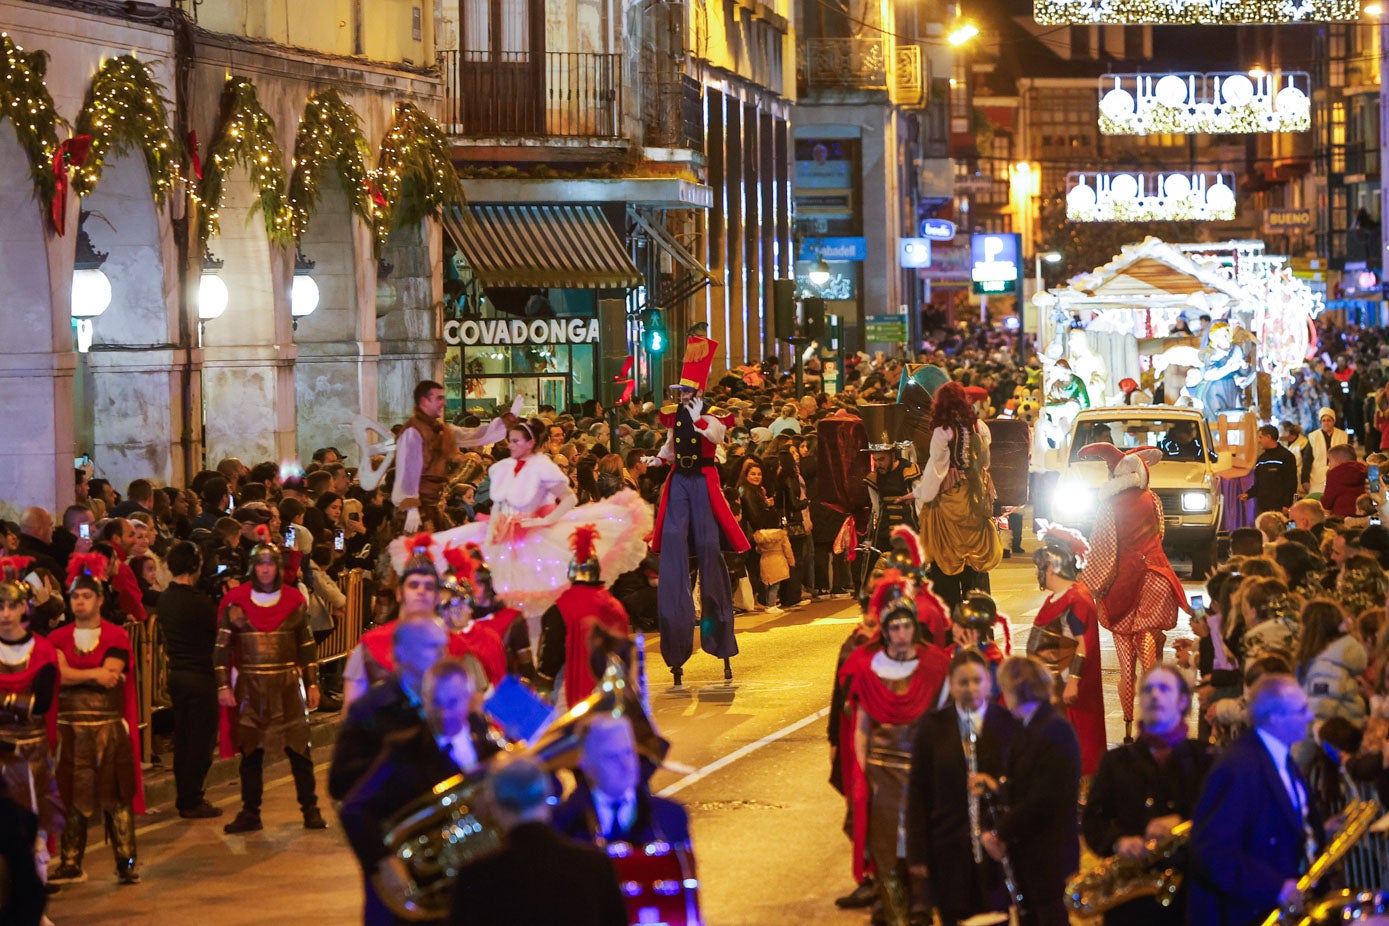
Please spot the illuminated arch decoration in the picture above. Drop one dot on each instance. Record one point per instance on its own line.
(330, 134)
(26, 102)
(126, 110)
(1184, 104)
(246, 136)
(1175, 196)
(1191, 12)
(414, 149)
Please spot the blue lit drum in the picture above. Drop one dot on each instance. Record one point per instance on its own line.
(658, 881)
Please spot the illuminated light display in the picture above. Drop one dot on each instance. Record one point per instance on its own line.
(1176, 196)
(1192, 12)
(1183, 104)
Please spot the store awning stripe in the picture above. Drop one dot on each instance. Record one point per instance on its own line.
(560, 246)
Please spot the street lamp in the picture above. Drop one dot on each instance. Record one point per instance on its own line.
(212, 290)
(91, 289)
(962, 33)
(819, 272)
(303, 293)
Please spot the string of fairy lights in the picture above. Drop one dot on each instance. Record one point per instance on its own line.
(125, 110)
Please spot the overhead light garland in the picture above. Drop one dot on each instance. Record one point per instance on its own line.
(1183, 104)
(1176, 196)
(329, 133)
(414, 149)
(26, 102)
(246, 136)
(126, 110)
(1191, 12)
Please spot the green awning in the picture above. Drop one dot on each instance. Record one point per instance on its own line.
(556, 246)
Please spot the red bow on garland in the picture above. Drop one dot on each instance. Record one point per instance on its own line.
(377, 196)
(195, 161)
(72, 153)
(624, 378)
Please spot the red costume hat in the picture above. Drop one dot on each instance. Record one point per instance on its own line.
(1127, 469)
(421, 558)
(584, 566)
(698, 361)
(87, 570)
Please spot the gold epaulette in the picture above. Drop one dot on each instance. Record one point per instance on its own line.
(718, 412)
(911, 471)
(871, 479)
(669, 409)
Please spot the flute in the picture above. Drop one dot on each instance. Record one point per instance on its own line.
(972, 763)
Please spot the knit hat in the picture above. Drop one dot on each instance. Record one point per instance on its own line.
(1324, 411)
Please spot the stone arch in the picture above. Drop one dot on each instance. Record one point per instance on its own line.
(408, 323)
(128, 396)
(248, 353)
(333, 374)
(36, 365)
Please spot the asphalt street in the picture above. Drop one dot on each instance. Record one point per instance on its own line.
(751, 764)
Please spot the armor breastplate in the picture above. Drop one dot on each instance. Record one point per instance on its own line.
(266, 652)
(890, 744)
(14, 729)
(1050, 643)
(88, 703)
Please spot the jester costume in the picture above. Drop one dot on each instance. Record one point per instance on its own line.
(1127, 571)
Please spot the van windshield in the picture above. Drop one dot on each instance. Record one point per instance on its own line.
(1179, 439)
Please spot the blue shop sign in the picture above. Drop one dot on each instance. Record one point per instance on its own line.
(937, 229)
(994, 262)
(833, 249)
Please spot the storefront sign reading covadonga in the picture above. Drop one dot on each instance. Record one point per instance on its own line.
(516, 332)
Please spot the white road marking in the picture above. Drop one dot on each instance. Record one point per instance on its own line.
(740, 753)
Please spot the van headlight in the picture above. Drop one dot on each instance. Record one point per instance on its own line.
(1074, 500)
(1196, 501)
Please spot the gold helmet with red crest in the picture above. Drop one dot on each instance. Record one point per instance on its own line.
(13, 585)
(1063, 548)
(893, 599)
(88, 571)
(421, 559)
(584, 568)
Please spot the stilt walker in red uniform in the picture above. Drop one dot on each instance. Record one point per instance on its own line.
(693, 512)
(1128, 572)
(1066, 636)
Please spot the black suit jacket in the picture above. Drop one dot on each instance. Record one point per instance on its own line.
(938, 809)
(539, 879)
(657, 819)
(385, 709)
(1130, 789)
(1038, 816)
(410, 765)
(1246, 837)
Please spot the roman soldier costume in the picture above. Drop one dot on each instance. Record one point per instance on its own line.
(566, 628)
(1066, 624)
(28, 689)
(467, 637)
(265, 656)
(885, 424)
(693, 511)
(891, 696)
(1128, 572)
(98, 750)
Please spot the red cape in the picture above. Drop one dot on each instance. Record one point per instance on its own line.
(264, 619)
(482, 643)
(1087, 713)
(723, 515)
(864, 689)
(112, 637)
(582, 606)
(376, 646)
(43, 654)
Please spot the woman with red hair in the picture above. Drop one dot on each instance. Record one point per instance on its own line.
(956, 498)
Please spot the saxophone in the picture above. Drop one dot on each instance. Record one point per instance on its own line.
(1359, 815)
(1117, 880)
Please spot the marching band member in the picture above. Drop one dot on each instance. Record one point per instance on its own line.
(1143, 789)
(942, 826)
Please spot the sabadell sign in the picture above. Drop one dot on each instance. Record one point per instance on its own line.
(516, 332)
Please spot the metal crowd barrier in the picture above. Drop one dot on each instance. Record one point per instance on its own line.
(152, 667)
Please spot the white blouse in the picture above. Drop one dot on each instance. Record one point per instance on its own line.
(938, 463)
(540, 482)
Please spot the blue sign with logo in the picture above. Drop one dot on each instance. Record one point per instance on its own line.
(913, 253)
(994, 262)
(937, 229)
(833, 249)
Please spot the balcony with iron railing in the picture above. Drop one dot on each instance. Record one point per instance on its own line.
(839, 67)
(520, 95)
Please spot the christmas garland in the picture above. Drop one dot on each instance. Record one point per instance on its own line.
(246, 135)
(329, 132)
(126, 110)
(26, 102)
(415, 149)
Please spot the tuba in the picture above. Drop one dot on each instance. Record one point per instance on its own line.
(1117, 880)
(432, 839)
